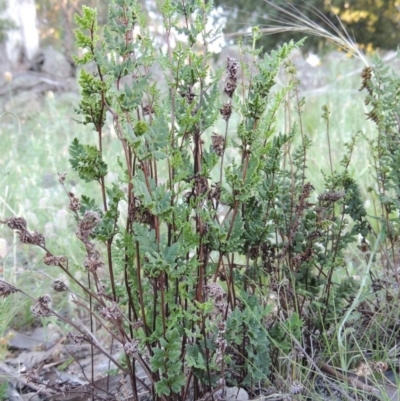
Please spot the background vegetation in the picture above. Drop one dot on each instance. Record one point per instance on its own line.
(372, 24)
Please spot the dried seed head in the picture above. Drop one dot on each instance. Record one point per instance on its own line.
(74, 203)
(215, 291)
(111, 313)
(148, 109)
(221, 326)
(61, 177)
(15, 223)
(101, 291)
(24, 237)
(221, 343)
(139, 213)
(93, 263)
(59, 286)
(42, 307)
(87, 225)
(366, 76)
(77, 339)
(6, 289)
(254, 252)
(296, 388)
(201, 183)
(232, 66)
(226, 111)
(296, 260)
(230, 86)
(215, 192)
(34, 238)
(90, 247)
(331, 196)
(374, 116)
(51, 260)
(189, 95)
(218, 143)
(307, 189)
(89, 220)
(38, 239)
(219, 358)
(131, 348)
(314, 235)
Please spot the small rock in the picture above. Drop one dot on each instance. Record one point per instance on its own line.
(236, 394)
(31, 397)
(12, 393)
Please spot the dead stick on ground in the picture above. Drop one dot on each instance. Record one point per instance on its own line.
(353, 381)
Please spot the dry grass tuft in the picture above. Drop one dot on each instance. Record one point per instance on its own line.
(296, 21)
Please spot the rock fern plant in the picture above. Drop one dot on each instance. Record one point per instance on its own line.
(210, 257)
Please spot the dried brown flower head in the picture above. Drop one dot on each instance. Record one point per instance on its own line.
(232, 66)
(87, 225)
(314, 235)
(366, 76)
(111, 313)
(51, 260)
(307, 189)
(6, 289)
(59, 286)
(90, 247)
(38, 238)
(220, 342)
(230, 86)
(42, 307)
(148, 109)
(364, 245)
(214, 291)
(189, 95)
(34, 238)
(331, 196)
(15, 223)
(131, 348)
(218, 143)
(201, 183)
(226, 111)
(61, 177)
(77, 339)
(254, 251)
(74, 203)
(374, 116)
(215, 192)
(296, 388)
(296, 260)
(139, 213)
(93, 263)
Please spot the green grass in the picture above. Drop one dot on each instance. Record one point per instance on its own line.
(34, 149)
